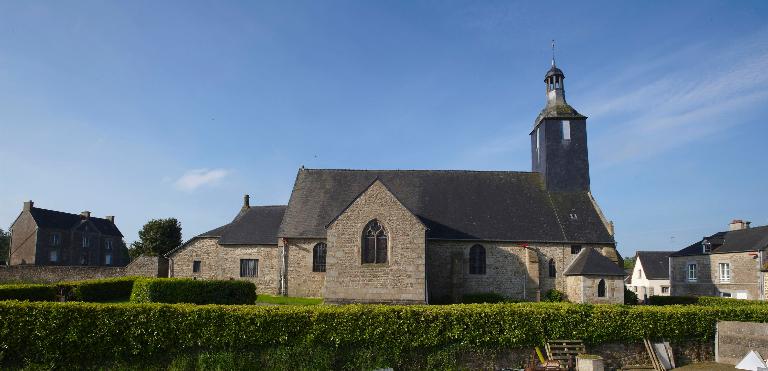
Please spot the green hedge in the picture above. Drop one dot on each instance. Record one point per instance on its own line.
(102, 290)
(31, 292)
(184, 290)
(701, 300)
(85, 334)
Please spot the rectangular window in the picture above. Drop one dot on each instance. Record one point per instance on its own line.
(692, 272)
(725, 294)
(651, 291)
(575, 249)
(196, 266)
(725, 272)
(538, 143)
(86, 241)
(54, 256)
(249, 267)
(664, 289)
(565, 127)
(55, 239)
(108, 259)
(108, 244)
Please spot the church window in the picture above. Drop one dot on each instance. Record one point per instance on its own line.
(601, 289)
(318, 257)
(374, 243)
(552, 268)
(477, 260)
(565, 127)
(538, 143)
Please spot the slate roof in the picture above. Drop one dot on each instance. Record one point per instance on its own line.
(655, 264)
(453, 204)
(743, 240)
(591, 262)
(554, 71)
(61, 220)
(256, 225)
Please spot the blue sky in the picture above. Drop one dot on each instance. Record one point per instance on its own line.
(148, 109)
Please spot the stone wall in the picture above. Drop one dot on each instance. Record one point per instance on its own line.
(735, 339)
(583, 289)
(402, 278)
(223, 262)
(513, 270)
(23, 240)
(300, 279)
(745, 275)
(147, 266)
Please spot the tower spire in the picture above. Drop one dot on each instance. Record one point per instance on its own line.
(553, 52)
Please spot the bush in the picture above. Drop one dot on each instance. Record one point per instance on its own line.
(483, 297)
(554, 295)
(31, 292)
(701, 300)
(672, 300)
(630, 297)
(80, 335)
(184, 290)
(102, 290)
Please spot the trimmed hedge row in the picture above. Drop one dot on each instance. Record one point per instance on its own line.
(701, 300)
(185, 290)
(102, 290)
(31, 292)
(84, 334)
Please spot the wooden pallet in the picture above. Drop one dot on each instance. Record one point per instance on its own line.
(563, 350)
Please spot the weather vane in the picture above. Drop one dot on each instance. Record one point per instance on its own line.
(553, 52)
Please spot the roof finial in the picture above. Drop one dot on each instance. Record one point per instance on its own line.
(553, 52)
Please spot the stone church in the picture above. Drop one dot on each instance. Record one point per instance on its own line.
(429, 236)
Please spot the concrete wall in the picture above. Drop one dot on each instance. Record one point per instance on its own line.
(745, 275)
(402, 278)
(223, 262)
(300, 279)
(735, 339)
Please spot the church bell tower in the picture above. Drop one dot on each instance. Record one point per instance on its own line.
(559, 139)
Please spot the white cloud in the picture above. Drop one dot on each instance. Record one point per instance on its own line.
(196, 178)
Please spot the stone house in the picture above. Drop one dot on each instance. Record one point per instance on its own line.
(48, 237)
(650, 276)
(428, 236)
(727, 264)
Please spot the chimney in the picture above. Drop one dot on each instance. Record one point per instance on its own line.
(111, 218)
(85, 215)
(28, 205)
(246, 202)
(738, 224)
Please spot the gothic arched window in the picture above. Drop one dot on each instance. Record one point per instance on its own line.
(318, 257)
(374, 249)
(477, 259)
(601, 289)
(552, 268)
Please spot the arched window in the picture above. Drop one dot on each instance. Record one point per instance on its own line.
(477, 260)
(318, 257)
(374, 243)
(601, 289)
(552, 268)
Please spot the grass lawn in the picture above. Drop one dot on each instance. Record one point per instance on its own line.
(287, 300)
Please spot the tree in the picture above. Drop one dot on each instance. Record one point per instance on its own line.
(629, 263)
(157, 237)
(5, 245)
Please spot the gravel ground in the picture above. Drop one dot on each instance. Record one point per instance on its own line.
(709, 366)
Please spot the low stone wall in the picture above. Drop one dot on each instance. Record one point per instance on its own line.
(735, 339)
(147, 266)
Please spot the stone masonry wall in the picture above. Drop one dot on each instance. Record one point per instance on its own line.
(735, 339)
(507, 269)
(301, 280)
(745, 275)
(583, 289)
(402, 278)
(146, 266)
(23, 240)
(223, 262)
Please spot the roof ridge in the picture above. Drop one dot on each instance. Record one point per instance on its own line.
(66, 213)
(425, 170)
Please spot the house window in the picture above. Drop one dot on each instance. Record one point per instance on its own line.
(374, 249)
(54, 256)
(552, 268)
(639, 273)
(108, 244)
(249, 267)
(725, 294)
(565, 128)
(725, 272)
(601, 289)
(318, 257)
(575, 249)
(55, 239)
(477, 260)
(691, 272)
(196, 266)
(108, 259)
(86, 241)
(84, 259)
(706, 247)
(665, 289)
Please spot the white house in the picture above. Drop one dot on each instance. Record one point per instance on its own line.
(651, 274)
